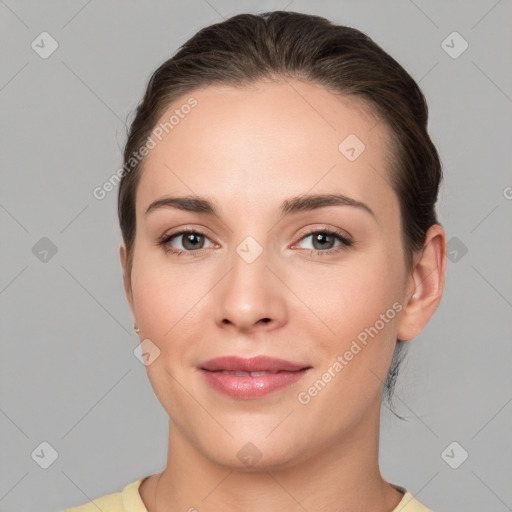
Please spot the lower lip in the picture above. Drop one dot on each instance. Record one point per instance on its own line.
(247, 387)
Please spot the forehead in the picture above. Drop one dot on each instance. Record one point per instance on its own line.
(260, 143)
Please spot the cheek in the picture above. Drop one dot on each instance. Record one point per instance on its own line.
(166, 305)
(165, 296)
(343, 299)
(353, 328)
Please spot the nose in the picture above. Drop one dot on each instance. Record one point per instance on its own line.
(251, 296)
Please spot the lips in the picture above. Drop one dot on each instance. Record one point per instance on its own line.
(251, 378)
(254, 364)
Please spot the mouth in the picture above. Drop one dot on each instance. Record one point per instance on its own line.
(251, 378)
(261, 363)
(247, 374)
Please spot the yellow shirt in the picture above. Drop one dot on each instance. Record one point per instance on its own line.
(129, 500)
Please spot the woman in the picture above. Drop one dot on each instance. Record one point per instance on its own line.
(280, 247)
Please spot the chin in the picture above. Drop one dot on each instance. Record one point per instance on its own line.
(257, 455)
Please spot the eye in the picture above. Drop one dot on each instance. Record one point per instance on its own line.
(323, 241)
(192, 241)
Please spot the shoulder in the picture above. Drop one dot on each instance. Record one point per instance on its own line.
(409, 503)
(110, 502)
(127, 500)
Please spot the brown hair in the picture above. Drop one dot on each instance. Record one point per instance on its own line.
(249, 47)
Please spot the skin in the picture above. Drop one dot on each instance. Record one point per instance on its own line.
(249, 149)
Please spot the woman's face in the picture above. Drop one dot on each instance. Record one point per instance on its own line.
(263, 281)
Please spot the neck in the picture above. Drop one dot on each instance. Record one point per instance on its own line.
(340, 476)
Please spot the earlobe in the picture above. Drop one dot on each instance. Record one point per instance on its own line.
(425, 286)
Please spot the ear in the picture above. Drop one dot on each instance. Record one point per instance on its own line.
(425, 285)
(127, 283)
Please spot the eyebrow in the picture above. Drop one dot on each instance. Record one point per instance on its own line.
(289, 206)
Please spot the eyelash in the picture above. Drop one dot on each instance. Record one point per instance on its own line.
(345, 242)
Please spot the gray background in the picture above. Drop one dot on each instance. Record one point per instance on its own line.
(68, 373)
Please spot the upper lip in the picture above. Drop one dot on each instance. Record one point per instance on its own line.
(253, 364)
